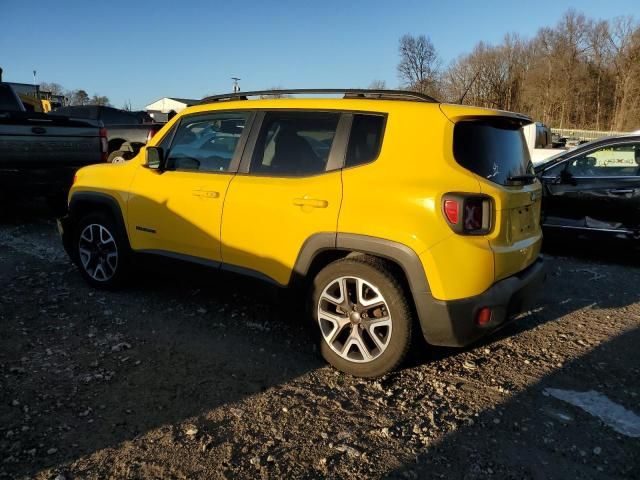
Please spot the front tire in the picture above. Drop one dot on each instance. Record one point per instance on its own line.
(100, 251)
(363, 316)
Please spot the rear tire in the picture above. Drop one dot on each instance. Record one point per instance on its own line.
(363, 316)
(101, 251)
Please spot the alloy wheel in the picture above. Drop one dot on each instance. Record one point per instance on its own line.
(98, 252)
(354, 319)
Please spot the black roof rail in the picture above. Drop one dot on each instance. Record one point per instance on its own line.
(348, 93)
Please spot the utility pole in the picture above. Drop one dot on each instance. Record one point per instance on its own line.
(236, 85)
(35, 87)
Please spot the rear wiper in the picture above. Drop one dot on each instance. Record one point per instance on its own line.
(521, 178)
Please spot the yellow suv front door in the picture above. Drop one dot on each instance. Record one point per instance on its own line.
(289, 188)
(177, 210)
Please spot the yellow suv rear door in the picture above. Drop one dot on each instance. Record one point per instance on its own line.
(177, 210)
(288, 188)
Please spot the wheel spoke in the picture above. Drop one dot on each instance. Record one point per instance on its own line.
(355, 340)
(85, 256)
(352, 302)
(98, 252)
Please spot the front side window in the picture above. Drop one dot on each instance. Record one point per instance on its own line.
(294, 144)
(206, 143)
(621, 160)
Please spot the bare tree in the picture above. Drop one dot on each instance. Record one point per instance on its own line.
(378, 85)
(53, 88)
(581, 73)
(419, 64)
(78, 97)
(99, 100)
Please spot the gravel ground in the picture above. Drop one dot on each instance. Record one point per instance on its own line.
(205, 378)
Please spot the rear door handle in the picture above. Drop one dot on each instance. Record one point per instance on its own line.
(310, 202)
(39, 130)
(621, 191)
(205, 193)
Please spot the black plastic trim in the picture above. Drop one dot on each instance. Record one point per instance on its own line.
(370, 94)
(182, 257)
(94, 198)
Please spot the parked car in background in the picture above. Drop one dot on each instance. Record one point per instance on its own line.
(39, 154)
(594, 188)
(127, 131)
(385, 210)
(540, 142)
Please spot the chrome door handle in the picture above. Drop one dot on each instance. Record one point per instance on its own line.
(621, 191)
(205, 193)
(310, 202)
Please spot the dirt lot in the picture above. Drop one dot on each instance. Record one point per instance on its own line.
(198, 379)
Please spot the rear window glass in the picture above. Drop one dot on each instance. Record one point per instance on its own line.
(493, 150)
(365, 140)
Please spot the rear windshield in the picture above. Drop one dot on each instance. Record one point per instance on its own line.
(494, 150)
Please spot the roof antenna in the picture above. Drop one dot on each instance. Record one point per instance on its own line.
(468, 88)
(236, 85)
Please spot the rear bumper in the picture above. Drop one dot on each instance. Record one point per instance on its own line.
(452, 323)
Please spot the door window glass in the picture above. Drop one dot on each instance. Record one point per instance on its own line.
(206, 143)
(611, 161)
(293, 144)
(365, 139)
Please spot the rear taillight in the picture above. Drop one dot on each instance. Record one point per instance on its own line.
(152, 132)
(468, 214)
(104, 145)
(452, 210)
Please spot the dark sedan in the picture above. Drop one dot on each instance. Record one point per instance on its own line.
(594, 188)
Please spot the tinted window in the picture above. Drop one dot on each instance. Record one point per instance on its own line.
(611, 161)
(8, 99)
(365, 139)
(206, 143)
(495, 151)
(294, 144)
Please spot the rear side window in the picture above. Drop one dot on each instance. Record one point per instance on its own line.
(294, 144)
(494, 150)
(365, 139)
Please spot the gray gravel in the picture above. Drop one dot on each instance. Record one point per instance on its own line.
(205, 378)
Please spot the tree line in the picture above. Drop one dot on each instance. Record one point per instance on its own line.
(75, 97)
(582, 73)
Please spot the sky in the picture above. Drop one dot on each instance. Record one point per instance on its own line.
(139, 51)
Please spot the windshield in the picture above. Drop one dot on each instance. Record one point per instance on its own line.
(494, 149)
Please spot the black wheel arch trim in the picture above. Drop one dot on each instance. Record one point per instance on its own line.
(396, 252)
(95, 198)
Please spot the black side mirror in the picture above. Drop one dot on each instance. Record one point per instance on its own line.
(566, 177)
(155, 159)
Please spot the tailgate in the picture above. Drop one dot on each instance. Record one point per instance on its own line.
(517, 236)
(491, 145)
(30, 140)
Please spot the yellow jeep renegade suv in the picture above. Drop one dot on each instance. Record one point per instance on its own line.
(394, 211)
